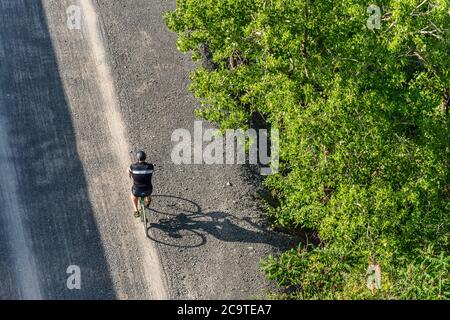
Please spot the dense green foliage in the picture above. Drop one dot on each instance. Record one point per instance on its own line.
(364, 131)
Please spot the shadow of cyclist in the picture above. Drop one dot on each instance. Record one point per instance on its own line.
(177, 219)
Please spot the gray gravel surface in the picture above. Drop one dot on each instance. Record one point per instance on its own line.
(211, 235)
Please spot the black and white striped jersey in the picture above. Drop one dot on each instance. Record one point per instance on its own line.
(142, 175)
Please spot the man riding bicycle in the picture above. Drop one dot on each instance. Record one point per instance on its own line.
(141, 172)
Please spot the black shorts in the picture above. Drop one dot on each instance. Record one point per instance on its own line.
(141, 193)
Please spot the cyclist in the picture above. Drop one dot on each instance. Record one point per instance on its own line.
(141, 172)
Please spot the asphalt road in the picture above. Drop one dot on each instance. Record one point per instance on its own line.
(73, 103)
(45, 200)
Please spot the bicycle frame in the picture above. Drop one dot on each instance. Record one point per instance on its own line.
(143, 214)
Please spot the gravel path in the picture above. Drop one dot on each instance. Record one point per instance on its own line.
(210, 234)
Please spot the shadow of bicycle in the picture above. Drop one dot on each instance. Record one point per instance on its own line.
(180, 222)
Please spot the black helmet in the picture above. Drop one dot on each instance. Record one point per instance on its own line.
(141, 156)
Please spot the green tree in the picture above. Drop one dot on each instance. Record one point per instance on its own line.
(364, 133)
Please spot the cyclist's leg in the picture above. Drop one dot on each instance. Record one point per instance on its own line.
(148, 200)
(134, 200)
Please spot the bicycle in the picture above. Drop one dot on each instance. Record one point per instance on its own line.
(142, 209)
(143, 214)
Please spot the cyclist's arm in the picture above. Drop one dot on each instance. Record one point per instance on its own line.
(129, 173)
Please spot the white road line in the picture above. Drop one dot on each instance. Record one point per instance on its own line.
(152, 268)
(13, 211)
